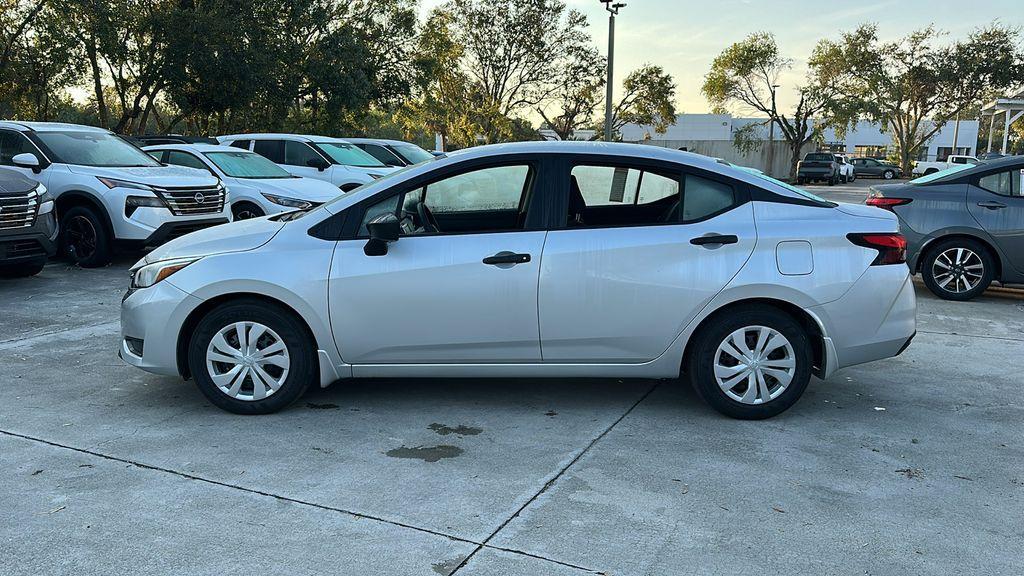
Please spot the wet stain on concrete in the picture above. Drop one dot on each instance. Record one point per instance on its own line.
(314, 406)
(459, 430)
(448, 566)
(425, 453)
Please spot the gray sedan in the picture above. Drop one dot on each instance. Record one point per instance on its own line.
(964, 226)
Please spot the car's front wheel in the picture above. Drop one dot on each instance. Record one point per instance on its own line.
(252, 357)
(958, 269)
(84, 238)
(888, 174)
(751, 363)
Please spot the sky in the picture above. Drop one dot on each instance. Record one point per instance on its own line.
(684, 36)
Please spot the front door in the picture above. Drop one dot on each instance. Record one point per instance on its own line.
(459, 286)
(643, 251)
(996, 200)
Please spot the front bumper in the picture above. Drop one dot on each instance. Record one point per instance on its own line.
(153, 318)
(29, 244)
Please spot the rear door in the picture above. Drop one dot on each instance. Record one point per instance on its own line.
(996, 201)
(641, 248)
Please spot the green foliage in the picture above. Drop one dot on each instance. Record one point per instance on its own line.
(648, 98)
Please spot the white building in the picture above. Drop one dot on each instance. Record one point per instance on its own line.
(866, 139)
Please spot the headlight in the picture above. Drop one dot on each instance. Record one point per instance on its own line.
(150, 274)
(45, 200)
(150, 201)
(114, 183)
(285, 201)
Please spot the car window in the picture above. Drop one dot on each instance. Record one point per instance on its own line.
(11, 144)
(88, 148)
(819, 158)
(243, 144)
(242, 164)
(381, 153)
(348, 155)
(299, 154)
(621, 196)
(412, 153)
(703, 198)
(485, 200)
(272, 150)
(179, 158)
(157, 155)
(1005, 183)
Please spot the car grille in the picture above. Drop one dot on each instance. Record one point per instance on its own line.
(18, 210)
(193, 201)
(21, 249)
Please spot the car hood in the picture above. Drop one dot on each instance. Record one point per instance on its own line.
(233, 237)
(863, 211)
(302, 188)
(164, 176)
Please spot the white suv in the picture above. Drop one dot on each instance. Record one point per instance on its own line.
(330, 159)
(109, 191)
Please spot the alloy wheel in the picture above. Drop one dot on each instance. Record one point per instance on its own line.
(247, 361)
(81, 237)
(958, 270)
(754, 365)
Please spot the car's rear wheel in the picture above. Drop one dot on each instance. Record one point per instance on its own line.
(751, 363)
(888, 174)
(252, 357)
(958, 269)
(245, 211)
(84, 238)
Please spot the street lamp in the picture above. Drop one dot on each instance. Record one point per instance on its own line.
(771, 134)
(613, 10)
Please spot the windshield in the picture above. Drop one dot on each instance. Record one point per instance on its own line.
(348, 155)
(412, 153)
(243, 164)
(941, 174)
(789, 187)
(94, 149)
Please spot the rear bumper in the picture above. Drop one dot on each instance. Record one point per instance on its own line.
(876, 319)
(815, 173)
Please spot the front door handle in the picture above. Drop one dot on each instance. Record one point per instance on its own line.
(992, 205)
(505, 257)
(714, 239)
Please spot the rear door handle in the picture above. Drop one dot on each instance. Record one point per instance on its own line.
(992, 205)
(715, 239)
(506, 257)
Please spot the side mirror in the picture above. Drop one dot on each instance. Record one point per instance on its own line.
(383, 229)
(27, 160)
(318, 163)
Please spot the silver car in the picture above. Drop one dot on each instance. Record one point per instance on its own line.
(540, 259)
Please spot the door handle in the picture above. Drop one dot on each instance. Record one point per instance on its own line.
(992, 205)
(714, 239)
(506, 257)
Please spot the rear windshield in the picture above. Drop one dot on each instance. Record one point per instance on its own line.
(819, 157)
(942, 175)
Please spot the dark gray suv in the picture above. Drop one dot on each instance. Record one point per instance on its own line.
(28, 225)
(964, 226)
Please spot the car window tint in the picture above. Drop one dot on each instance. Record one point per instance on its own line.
(184, 159)
(1007, 183)
(703, 197)
(299, 154)
(620, 196)
(12, 144)
(272, 150)
(243, 144)
(157, 155)
(381, 153)
(388, 205)
(499, 188)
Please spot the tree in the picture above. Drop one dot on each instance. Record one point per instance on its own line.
(648, 98)
(578, 92)
(913, 86)
(747, 74)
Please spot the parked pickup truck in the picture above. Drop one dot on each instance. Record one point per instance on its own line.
(818, 166)
(923, 168)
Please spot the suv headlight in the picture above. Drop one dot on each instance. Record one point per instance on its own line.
(149, 274)
(115, 183)
(285, 201)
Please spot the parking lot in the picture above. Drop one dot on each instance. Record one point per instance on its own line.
(910, 465)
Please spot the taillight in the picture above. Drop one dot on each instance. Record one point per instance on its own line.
(892, 248)
(886, 203)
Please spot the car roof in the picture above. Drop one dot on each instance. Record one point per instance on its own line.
(49, 127)
(276, 136)
(195, 148)
(378, 141)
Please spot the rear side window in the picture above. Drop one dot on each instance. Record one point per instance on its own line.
(272, 150)
(703, 198)
(1006, 183)
(621, 196)
(243, 144)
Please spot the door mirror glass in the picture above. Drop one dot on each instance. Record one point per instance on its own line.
(26, 160)
(383, 229)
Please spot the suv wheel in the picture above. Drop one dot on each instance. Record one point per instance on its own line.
(752, 364)
(958, 269)
(84, 238)
(246, 210)
(250, 357)
(22, 270)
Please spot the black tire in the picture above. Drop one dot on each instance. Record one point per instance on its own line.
(853, 177)
(930, 171)
(22, 270)
(932, 274)
(832, 180)
(302, 369)
(84, 238)
(245, 211)
(700, 366)
(888, 175)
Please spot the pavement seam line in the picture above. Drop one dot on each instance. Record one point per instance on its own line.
(551, 482)
(1007, 338)
(288, 499)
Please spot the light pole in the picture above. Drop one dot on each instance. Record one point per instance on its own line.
(613, 10)
(771, 135)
